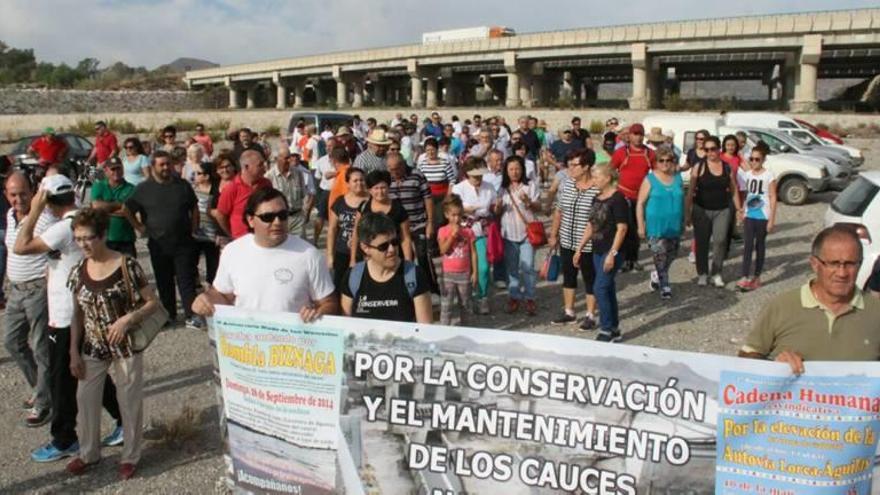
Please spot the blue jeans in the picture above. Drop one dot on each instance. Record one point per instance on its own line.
(520, 260)
(605, 291)
(499, 269)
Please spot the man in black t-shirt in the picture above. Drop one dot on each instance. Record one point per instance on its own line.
(384, 286)
(561, 148)
(165, 209)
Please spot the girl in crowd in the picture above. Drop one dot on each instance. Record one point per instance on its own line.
(380, 202)
(439, 173)
(207, 234)
(760, 216)
(384, 286)
(712, 189)
(660, 216)
(459, 263)
(478, 200)
(111, 295)
(135, 162)
(571, 214)
(607, 230)
(226, 170)
(520, 199)
(343, 214)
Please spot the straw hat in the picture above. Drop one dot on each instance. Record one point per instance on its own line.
(378, 137)
(656, 135)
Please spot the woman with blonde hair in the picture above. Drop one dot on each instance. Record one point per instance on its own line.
(606, 230)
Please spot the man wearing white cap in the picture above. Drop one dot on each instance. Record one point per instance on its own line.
(374, 157)
(56, 193)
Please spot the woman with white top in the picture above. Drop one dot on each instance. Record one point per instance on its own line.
(135, 162)
(519, 201)
(760, 216)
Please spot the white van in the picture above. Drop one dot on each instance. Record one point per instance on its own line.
(796, 175)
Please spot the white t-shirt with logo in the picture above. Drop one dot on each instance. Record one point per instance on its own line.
(59, 237)
(757, 188)
(282, 278)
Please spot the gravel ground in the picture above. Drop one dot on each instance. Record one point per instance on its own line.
(178, 364)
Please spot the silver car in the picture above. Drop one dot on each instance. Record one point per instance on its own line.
(840, 165)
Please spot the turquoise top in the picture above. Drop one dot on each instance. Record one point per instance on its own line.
(664, 210)
(134, 170)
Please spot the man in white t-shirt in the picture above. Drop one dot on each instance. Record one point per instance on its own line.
(57, 241)
(269, 269)
(325, 173)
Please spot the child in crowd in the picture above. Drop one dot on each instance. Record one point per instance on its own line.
(760, 216)
(459, 265)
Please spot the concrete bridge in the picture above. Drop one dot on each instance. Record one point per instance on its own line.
(787, 52)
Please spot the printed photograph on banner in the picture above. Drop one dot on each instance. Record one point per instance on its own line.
(810, 436)
(280, 381)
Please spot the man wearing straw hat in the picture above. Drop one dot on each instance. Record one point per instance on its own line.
(374, 157)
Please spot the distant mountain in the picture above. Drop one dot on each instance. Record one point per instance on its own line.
(184, 64)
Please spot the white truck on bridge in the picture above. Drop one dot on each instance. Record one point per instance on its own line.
(475, 33)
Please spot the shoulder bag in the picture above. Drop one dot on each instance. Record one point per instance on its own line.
(534, 230)
(140, 336)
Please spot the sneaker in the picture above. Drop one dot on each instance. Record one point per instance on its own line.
(666, 293)
(702, 280)
(50, 453)
(588, 323)
(195, 323)
(36, 418)
(655, 280)
(563, 319)
(744, 284)
(692, 257)
(512, 305)
(531, 307)
(756, 283)
(126, 471)
(500, 284)
(484, 306)
(78, 467)
(114, 438)
(608, 336)
(717, 281)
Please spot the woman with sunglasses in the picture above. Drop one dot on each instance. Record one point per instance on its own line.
(760, 216)
(342, 216)
(207, 235)
(378, 182)
(712, 189)
(660, 216)
(224, 165)
(384, 286)
(135, 163)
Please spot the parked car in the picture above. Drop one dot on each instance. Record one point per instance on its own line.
(78, 147)
(858, 206)
(812, 139)
(826, 135)
(840, 166)
(797, 175)
(320, 119)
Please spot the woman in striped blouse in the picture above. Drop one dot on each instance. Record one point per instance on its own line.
(438, 171)
(571, 214)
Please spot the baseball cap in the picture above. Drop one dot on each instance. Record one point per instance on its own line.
(56, 185)
(113, 162)
(637, 129)
(49, 130)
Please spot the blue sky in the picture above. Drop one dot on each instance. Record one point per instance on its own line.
(153, 32)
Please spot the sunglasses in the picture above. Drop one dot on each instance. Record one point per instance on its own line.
(710, 148)
(755, 159)
(166, 136)
(129, 147)
(202, 173)
(270, 217)
(385, 245)
(665, 160)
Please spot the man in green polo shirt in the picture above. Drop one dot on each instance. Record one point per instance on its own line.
(826, 319)
(109, 195)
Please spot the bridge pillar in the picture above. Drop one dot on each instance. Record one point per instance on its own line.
(233, 94)
(299, 89)
(357, 99)
(252, 96)
(805, 97)
(280, 91)
(486, 90)
(320, 94)
(514, 97)
(378, 91)
(639, 98)
(415, 81)
(431, 89)
(567, 91)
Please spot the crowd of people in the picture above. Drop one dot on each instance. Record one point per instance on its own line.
(418, 215)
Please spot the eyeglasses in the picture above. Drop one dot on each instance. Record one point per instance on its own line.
(700, 138)
(84, 239)
(665, 160)
(837, 265)
(393, 149)
(270, 217)
(755, 159)
(129, 146)
(167, 136)
(202, 173)
(385, 245)
(710, 149)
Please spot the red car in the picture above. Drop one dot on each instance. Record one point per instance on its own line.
(822, 133)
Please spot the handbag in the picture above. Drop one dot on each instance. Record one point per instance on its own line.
(494, 242)
(140, 336)
(551, 266)
(534, 230)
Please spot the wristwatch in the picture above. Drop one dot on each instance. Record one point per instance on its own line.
(612, 253)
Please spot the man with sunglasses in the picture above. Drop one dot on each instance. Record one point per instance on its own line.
(105, 144)
(826, 319)
(291, 275)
